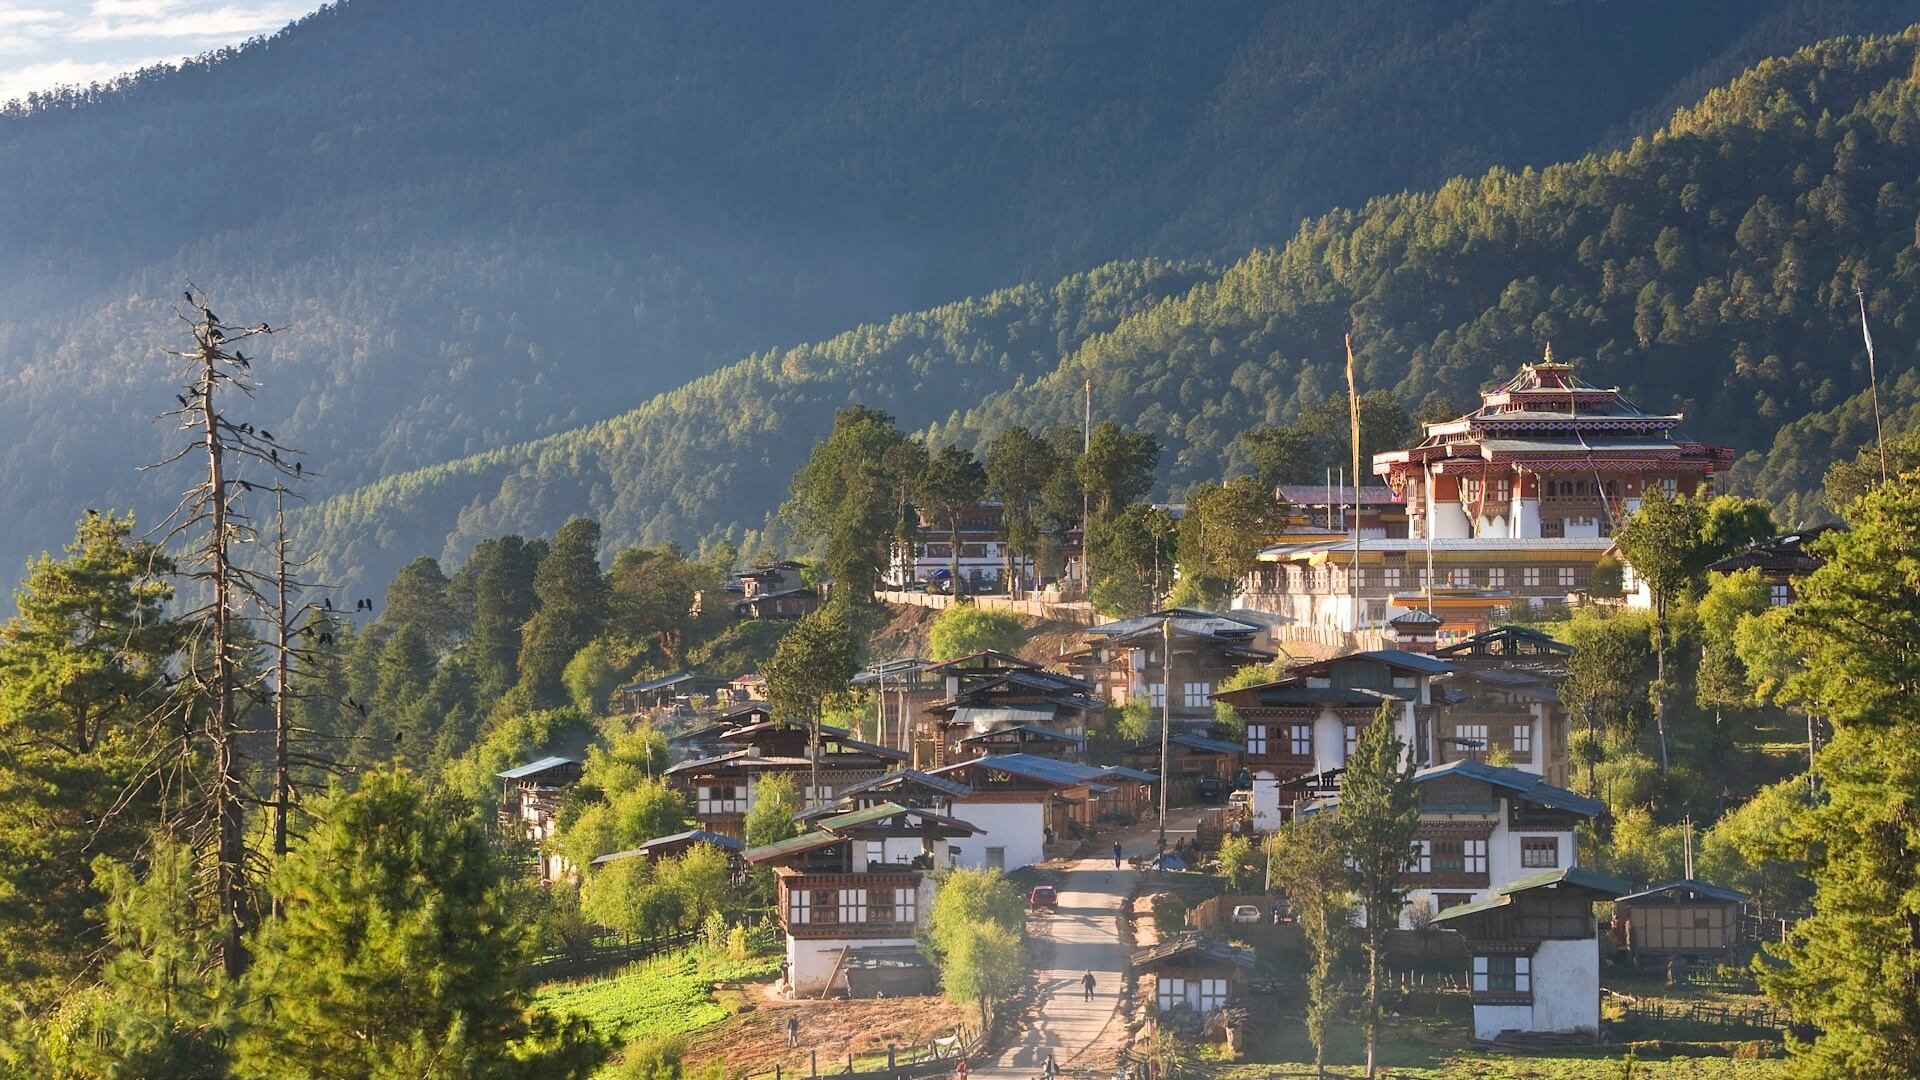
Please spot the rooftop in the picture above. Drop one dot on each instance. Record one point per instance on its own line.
(1601, 886)
(535, 768)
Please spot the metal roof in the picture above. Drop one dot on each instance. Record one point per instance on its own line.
(1044, 733)
(693, 836)
(1189, 621)
(1188, 941)
(1490, 545)
(950, 788)
(792, 845)
(1033, 767)
(534, 768)
(985, 718)
(1316, 495)
(1605, 885)
(1193, 740)
(1698, 889)
(660, 683)
(1125, 773)
(1528, 786)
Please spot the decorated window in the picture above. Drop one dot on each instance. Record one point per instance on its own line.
(1523, 739)
(1476, 856)
(1213, 995)
(1256, 739)
(1530, 576)
(1300, 740)
(1353, 738)
(906, 905)
(799, 907)
(1391, 576)
(1496, 577)
(1193, 695)
(1566, 577)
(1169, 993)
(1503, 975)
(853, 906)
(1540, 852)
(1780, 594)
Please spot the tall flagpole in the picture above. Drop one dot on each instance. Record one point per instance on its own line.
(1353, 409)
(1873, 382)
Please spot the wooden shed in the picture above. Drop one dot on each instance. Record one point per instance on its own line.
(1683, 918)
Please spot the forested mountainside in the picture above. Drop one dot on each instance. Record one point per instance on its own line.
(1709, 269)
(486, 221)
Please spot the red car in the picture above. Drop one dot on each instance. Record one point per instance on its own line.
(1043, 898)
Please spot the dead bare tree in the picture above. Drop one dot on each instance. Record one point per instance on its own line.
(210, 521)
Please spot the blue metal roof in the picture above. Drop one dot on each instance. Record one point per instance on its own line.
(534, 768)
(1125, 773)
(1527, 785)
(1193, 740)
(1034, 767)
(660, 683)
(1689, 885)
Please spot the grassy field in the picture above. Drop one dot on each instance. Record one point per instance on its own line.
(667, 995)
(1431, 1050)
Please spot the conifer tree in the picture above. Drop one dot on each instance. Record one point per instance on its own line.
(572, 595)
(1852, 970)
(1379, 814)
(399, 953)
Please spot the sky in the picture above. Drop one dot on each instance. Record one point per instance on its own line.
(48, 43)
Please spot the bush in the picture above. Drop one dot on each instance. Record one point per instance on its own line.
(963, 629)
(1169, 914)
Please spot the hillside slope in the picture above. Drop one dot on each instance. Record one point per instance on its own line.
(487, 221)
(1709, 269)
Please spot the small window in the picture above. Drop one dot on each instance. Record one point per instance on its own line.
(1523, 739)
(1422, 857)
(1462, 578)
(1353, 738)
(1530, 577)
(1476, 856)
(996, 858)
(876, 851)
(906, 903)
(1193, 695)
(1445, 900)
(1392, 577)
(1566, 577)
(1539, 852)
(1157, 694)
(1257, 739)
(1360, 578)
(1300, 740)
(1503, 975)
(799, 907)
(1780, 594)
(1496, 577)
(1169, 994)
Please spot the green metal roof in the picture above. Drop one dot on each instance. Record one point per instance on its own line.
(1578, 877)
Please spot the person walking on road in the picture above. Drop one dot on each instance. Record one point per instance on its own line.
(1053, 1068)
(1087, 985)
(793, 1031)
(1116, 854)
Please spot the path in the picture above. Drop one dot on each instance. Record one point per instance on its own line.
(1084, 1036)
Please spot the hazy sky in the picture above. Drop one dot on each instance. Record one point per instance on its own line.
(46, 43)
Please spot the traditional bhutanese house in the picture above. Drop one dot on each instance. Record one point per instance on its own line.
(1193, 971)
(1016, 800)
(1023, 739)
(1483, 827)
(853, 891)
(1782, 562)
(1546, 455)
(1535, 953)
(531, 799)
(1125, 661)
(749, 687)
(1504, 702)
(1190, 756)
(1680, 919)
(722, 787)
(902, 690)
(1415, 630)
(783, 604)
(1041, 700)
(949, 679)
(674, 691)
(1308, 722)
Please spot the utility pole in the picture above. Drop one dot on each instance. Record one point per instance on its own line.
(1086, 501)
(1166, 714)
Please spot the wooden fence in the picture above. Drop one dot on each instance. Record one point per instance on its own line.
(1710, 1012)
(938, 1057)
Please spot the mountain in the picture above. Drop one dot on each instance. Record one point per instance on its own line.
(487, 221)
(1709, 268)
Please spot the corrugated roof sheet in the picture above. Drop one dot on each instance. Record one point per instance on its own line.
(1189, 941)
(1033, 767)
(534, 768)
(949, 788)
(1527, 785)
(1687, 885)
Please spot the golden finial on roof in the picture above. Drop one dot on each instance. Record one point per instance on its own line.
(1548, 358)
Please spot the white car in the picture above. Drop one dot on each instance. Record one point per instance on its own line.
(1246, 913)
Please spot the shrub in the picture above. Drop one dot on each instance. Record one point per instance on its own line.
(1169, 914)
(963, 629)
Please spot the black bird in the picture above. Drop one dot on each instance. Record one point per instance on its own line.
(240, 358)
(265, 329)
(326, 639)
(211, 317)
(327, 602)
(189, 296)
(182, 399)
(275, 455)
(265, 434)
(296, 468)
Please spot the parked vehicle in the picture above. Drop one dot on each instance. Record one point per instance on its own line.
(1043, 898)
(1246, 914)
(1282, 909)
(1209, 789)
(1243, 781)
